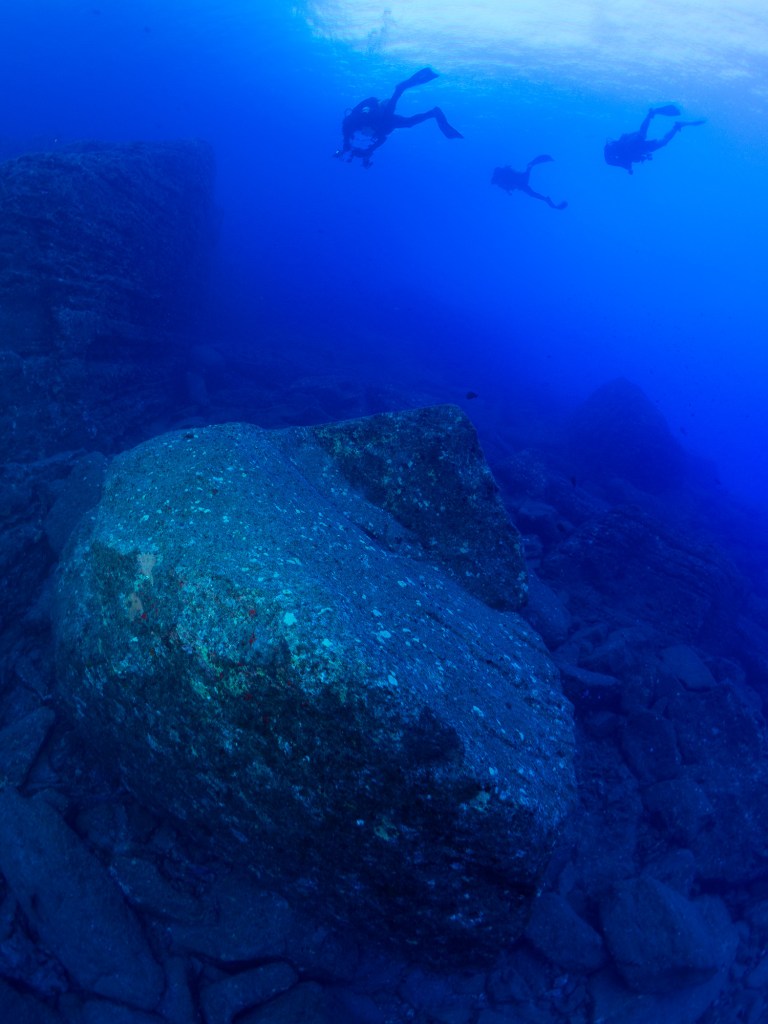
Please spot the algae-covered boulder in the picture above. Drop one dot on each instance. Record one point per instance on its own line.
(286, 640)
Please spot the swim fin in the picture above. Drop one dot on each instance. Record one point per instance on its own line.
(451, 133)
(420, 78)
(543, 159)
(442, 122)
(670, 110)
(691, 124)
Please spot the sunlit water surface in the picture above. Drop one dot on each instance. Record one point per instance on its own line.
(659, 276)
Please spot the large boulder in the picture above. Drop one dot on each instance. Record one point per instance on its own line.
(301, 643)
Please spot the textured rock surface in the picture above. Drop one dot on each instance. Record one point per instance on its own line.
(60, 885)
(103, 272)
(291, 665)
(685, 588)
(662, 941)
(618, 431)
(103, 256)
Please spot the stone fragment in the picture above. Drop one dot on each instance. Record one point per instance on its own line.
(307, 1003)
(244, 923)
(683, 806)
(20, 743)
(100, 1011)
(587, 689)
(682, 662)
(563, 937)
(73, 905)
(20, 1008)
(649, 745)
(224, 1000)
(660, 941)
(546, 613)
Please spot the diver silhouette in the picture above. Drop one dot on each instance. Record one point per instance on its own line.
(368, 125)
(517, 181)
(635, 147)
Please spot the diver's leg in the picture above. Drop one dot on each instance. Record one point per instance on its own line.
(668, 110)
(442, 123)
(676, 127)
(545, 199)
(398, 121)
(642, 131)
(420, 78)
(652, 145)
(408, 122)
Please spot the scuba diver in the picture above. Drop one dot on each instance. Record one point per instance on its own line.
(512, 181)
(367, 126)
(635, 148)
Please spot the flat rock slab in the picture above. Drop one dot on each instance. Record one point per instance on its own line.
(73, 905)
(286, 639)
(661, 941)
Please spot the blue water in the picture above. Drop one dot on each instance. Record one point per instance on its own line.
(418, 263)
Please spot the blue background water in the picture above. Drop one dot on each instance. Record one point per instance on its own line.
(418, 264)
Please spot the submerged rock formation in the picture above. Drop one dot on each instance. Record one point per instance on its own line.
(619, 432)
(103, 257)
(104, 252)
(294, 641)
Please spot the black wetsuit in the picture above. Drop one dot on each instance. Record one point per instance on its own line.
(368, 125)
(636, 147)
(517, 181)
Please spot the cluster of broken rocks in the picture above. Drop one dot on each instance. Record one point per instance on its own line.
(647, 584)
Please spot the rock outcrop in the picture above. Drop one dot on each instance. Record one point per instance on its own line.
(104, 253)
(684, 587)
(301, 644)
(619, 432)
(103, 257)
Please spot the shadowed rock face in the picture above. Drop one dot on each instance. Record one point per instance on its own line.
(619, 432)
(305, 671)
(103, 256)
